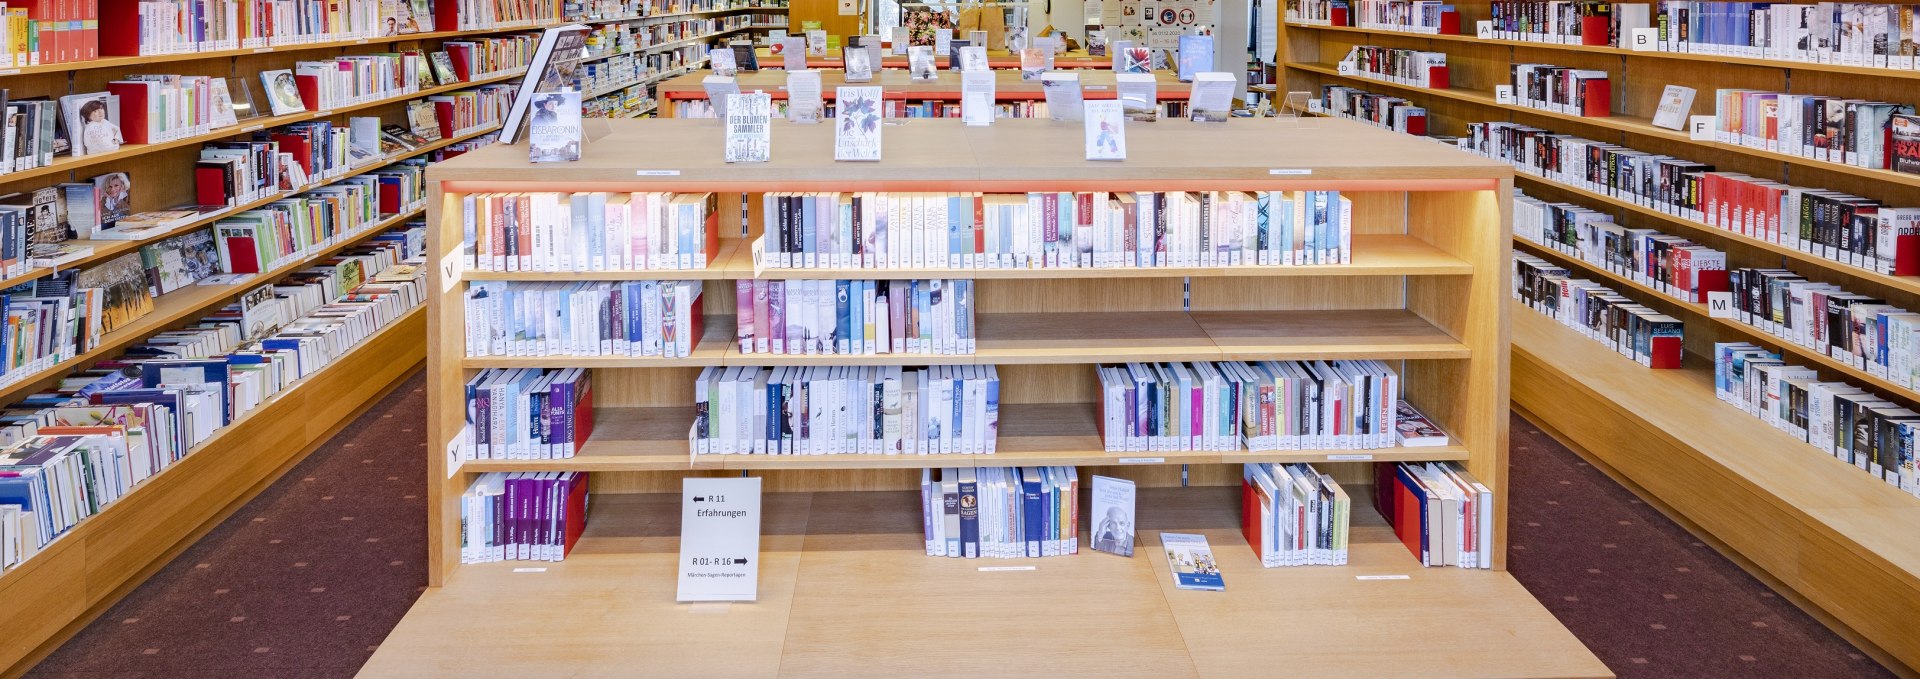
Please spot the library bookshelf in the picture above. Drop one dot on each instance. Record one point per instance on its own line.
(53, 594)
(898, 84)
(844, 570)
(1841, 539)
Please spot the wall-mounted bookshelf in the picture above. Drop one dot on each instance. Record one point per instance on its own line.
(1766, 495)
(1426, 293)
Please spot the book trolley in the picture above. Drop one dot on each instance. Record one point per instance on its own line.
(846, 587)
(1841, 540)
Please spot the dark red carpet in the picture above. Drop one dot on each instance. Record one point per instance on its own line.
(306, 580)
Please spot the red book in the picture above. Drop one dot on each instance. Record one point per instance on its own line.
(297, 145)
(446, 17)
(1417, 125)
(1339, 17)
(443, 110)
(1596, 97)
(89, 29)
(1664, 353)
(134, 106)
(210, 186)
(1595, 30)
(583, 414)
(1449, 23)
(1408, 504)
(1250, 517)
(309, 91)
(389, 198)
(576, 508)
(713, 232)
(979, 225)
(242, 252)
(1437, 78)
(697, 325)
(119, 28)
(462, 58)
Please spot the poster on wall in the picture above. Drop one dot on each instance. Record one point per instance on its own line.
(1157, 23)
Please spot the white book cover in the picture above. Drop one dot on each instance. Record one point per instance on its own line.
(718, 87)
(976, 97)
(857, 134)
(722, 61)
(974, 58)
(920, 62)
(1106, 130)
(859, 64)
(803, 96)
(749, 127)
(1138, 96)
(1113, 505)
(816, 43)
(793, 53)
(1211, 99)
(1064, 101)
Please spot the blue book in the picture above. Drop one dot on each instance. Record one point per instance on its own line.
(842, 316)
(1196, 55)
(959, 230)
(809, 241)
(969, 513)
(1191, 561)
(1030, 509)
(857, 316)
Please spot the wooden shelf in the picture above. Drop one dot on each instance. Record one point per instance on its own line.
(108, 249)
(1627, 124)
(70, 163)
(1031, 434)
(1699, 310)
(142, 61)
(171, 309)
(842, 574)
(1094, 337)
(1838, 536)
(90, 566)
(1373, 255)
(1909, 284)
(899, 84)
(1609, 49)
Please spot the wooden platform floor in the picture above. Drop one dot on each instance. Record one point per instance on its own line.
(846, 590)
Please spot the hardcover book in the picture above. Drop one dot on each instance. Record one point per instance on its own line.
(1064, 101)
(793, 52)
(1034, 63)
(443, 68)
(920, 62)
(260, 313)
(1414, 430)
(180, 261)
(124, 281)
(1135, 59)
(722, 62)
(859, 64)
(974, 58)
(1196, 56)
(1211, 99)
(954, 62)
(857, 134)
(94, 122)
(803, 96)
(553, 136)
(555, 67)
(744, 56)
(1192, 563)
(1113, 504)
(1138, 96)
(1106, 130)
(1675, 103)
(749, 127)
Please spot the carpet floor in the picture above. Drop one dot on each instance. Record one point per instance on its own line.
(307, 579)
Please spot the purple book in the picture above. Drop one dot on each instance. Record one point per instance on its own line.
(777, 314)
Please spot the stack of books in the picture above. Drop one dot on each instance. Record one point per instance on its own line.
(1231, 405)
(1293, 515)
(1651, 338)
(522, 516)
(829, 410)
(1439, 510)
(1001, 512)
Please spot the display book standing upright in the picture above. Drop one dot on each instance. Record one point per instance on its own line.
(1425, 293)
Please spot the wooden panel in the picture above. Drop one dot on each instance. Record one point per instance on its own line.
(827, 12)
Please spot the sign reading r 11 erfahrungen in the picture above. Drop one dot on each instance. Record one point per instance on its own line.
(719, 539)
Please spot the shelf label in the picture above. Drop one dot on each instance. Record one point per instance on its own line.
(450, 266)
(262, 50)
(1316, 106)
(1720, 305)
(1503, 94)
(1142, 460)
(1644, 39)
(1383, 577)
(1289, 172)
(322, 114)
(1483, 30)
(1700, 128)
(10, 71)
(1344, 68)
(253, 128)
(995, 569)
(1094, 87)
(1350, 457)
(719, 539)
(530, 570)
(656, 173)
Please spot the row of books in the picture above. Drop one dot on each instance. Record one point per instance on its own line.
(1430, 17)
(1830, 224)
(585, 318)
(1050, 230)
(1674, 266)
(600, 10)
(1439, 510)
(527, 414)
(1874, 35)
(1293, 515)
(1585, 22)
(522, 516)
(78, 447)
(270, 236)
(1001, 512)
(855, 317)
(1855, 425)
(1414, 68)
(1857, 132)
(357, 79)
(1650, 338)
(158, 27)
(1855, 329)
(589, 231)
(1137, 109)
(1234, 405)
(826, 410)
(1387, 111)
(1572, 91)
(470, 15)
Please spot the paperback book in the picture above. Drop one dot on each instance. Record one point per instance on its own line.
(1106, 130)
(920, 63)
(1113, 507)
(804, 104)
(973, 58)
(1211, 99)
(977, 97)
(857, 133)
(555, 67)
(749, 127)
(1293, 515)
(722, 63)
(1196, 56)
(859, 64)
(554, 134)
(1000, 512)
(1064, 101)
(1138, 95)
(1034, 62)
(1134, 59)
(1192, 563)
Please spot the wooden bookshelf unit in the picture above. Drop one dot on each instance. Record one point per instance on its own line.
(1843, 540)
(846, 586)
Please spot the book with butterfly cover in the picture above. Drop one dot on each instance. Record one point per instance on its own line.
(857, 131)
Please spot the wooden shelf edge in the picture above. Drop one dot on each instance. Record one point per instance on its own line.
(123, 61)
(1094, 458)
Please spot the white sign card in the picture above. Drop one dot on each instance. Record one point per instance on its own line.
(1106, 130)
(976, 97)
(1644, 40)
(803, 96)
(719, 539)
(1700, 128)
(1211, 99)
(1064, 101)
(793, 53)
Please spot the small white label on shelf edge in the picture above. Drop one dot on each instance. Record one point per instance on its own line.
(986, 569)
(1289, 172)
(1094, 87)
(1383, 577)
(1643, 39)
(656, 173)
(10, 71)
(253, 128)
(1700, 128)
(1503, 94)
(262, 50)
(529, 570)
(1142, 460)
(1350, 457)
(1720, 305)
(450, 266)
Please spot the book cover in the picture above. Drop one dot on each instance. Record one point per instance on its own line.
(744, 56)
(260, 313)
(423, 120)
(1106, 130)
(180, 261)
(554, 133)
(859, 64)
(977, 97)
(1414, 430)
(1196, 56)
(1138, 96)
(920, 62)
(1192, 563)
(803, 96)
(1675, 103)
(1064, 101)
(1135, 59)
(722, 62)
(282, 94)
(1113, 506)
(94, 123)
(974, 58)
(1905, 130)
(857, 135)
(443, 68)
(114, 190)
(124, 281)
(1033, 63)
(1211, 99)
(555, 67)
(749, 127)
(954, 62)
